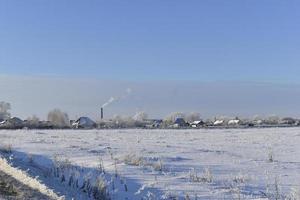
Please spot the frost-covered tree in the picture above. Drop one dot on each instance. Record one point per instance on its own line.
(191, 117)
(273, 120)
(171, 118)
(257, 118)
(4, 110)
(33, 121)
(140, 116)
(59, 118)
(123, 121)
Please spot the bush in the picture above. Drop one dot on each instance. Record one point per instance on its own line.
(59, 118)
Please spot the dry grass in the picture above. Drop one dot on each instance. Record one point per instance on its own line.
(7, 189)
(133, 159)
(26, 180)
(205, 177)
(6, 148)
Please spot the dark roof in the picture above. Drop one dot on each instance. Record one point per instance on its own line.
(180, 121)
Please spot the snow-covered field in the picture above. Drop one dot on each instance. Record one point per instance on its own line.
(161, 164)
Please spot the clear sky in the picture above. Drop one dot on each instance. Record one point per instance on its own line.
(151, 45)
(207, 40)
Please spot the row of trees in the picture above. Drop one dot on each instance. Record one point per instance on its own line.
(56, 116)
(59, 118)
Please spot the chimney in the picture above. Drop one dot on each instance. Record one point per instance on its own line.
(101, 113)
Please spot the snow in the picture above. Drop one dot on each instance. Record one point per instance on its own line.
(26, 180)
(160, 164)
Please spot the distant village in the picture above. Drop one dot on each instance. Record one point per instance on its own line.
(57, 119)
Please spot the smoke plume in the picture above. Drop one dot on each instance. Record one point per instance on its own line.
(114, 99)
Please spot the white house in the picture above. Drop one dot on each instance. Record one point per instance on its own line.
(234, 122)
(218, 122)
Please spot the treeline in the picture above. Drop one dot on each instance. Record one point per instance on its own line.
(57, 119)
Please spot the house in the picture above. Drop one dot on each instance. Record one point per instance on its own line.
(72, 122)
(180, 122)
(288, 121)
(45, 125)
(153, 123)
(258, 122)
(219, 123)
(247, 122)
(197, 124)
(12, 123)
(84, 123)
(234, 122)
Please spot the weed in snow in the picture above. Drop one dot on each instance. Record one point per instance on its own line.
(101, 166)
(187, 197)
(194, 176)
(206, 176)
(273, 190)
(100, 190)
(293, 195)
(169, 195)
(158, 166)
(240, 179)
(155, 163)
(6, 148)
(132, 159)
(116, 169)
(270, 155)
(276, 188)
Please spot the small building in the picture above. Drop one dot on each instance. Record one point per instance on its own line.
(247, 123)
(288, 121)
(45, 125)
(12, 123)
(84, 123)
(2, 121)
(180, 122)
(234, 122)
(197, 124)
(258, 122)
(156, 123)
(219, 123)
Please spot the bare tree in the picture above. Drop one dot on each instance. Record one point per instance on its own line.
(59, 118)
(33, 121)
(273, 120)
(4, 110)
(171, 118)
(123, 121)
(191, 117)
(140, 116)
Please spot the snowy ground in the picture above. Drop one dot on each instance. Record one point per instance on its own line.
(162, 164)
(13, 189)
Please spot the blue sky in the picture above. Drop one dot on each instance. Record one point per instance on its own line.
(217, 57)
(207, 40)
(84, 97)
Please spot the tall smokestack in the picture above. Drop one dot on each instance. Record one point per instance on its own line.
(101, 112)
